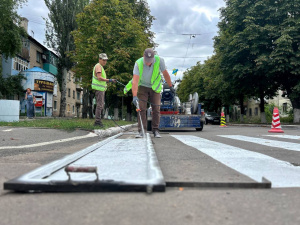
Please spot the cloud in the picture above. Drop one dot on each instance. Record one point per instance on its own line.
(175, 23)
(35, 11)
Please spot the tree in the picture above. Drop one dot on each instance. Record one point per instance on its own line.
(112, 27)
(10, 29)
(285, 54)
(208, 81)
(258, 43)
(61, 22)
(11, 86)
(244, 46)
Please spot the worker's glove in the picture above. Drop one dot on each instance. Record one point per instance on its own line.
(172, 89)
(112, 80)
(135, 101)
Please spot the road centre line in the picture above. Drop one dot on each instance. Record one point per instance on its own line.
(266, 142)
(293, 137)
(252, 164)
(50, 142)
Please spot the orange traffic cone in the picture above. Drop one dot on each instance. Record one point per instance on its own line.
(276, 127)
(223, 123)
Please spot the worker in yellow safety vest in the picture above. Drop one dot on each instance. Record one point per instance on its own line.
(99, 81)
(147, 83)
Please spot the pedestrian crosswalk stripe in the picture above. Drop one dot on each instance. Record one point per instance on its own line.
(252, 164)
(293, 137)
(266, 142)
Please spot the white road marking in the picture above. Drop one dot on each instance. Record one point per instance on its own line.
(50, 142)
(293, 137)
(7, 130)
(266, 142)
(252, 164)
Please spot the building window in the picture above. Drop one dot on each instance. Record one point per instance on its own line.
(78, 95)
(68, 107)
(250, 112)
(74, 94)
(55, 106)
(73, 109)
(69, 76)
(284, 107)
(38, 56)
(256, 111)
(20, 64)
(69, 92)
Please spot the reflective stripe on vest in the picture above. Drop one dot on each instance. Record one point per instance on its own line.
(97, 84)
(156, 78)
(128, 87)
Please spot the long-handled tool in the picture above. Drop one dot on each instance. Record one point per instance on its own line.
(138, 110)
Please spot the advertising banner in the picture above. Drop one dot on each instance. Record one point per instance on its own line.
(43, 85)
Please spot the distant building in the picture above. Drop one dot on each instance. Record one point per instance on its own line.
(39, 65)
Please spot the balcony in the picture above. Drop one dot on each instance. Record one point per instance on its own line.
(78, 87)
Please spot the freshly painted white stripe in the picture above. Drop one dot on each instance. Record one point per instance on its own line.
(267, 142)
(7, 130)
(252, 164)
(293, 137)
(50, 142)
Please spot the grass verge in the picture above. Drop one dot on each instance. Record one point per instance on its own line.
(69, 124)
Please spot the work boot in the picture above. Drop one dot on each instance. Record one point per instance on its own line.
(100, 124)
(156, 134)
(139, 135)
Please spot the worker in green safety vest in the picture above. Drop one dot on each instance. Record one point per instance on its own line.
(147, 83)
(99, 81)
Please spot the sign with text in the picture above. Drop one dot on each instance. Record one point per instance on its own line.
(43, 85)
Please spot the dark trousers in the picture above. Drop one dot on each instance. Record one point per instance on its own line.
(100, 104)
(144, 94)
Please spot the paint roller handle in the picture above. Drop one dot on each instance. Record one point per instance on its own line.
(81, 169)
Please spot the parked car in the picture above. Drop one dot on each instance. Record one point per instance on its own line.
(212, 117)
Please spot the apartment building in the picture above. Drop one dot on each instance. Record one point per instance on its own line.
(39, 65)
(73, 98)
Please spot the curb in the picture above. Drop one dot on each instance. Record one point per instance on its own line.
(113, 130)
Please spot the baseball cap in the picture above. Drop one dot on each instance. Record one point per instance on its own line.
(103, 56)
(149, 55)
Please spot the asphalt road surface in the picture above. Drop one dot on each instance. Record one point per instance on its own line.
(213, 155)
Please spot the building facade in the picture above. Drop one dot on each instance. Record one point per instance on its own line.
(33, 56)
(73, 98)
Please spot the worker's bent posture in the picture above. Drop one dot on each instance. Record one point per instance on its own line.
(99, 85)
(147, 83)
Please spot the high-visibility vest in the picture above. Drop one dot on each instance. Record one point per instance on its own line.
(97, 84)
(128, 87)
(156, 81)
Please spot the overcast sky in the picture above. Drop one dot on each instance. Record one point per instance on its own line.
(184, 29)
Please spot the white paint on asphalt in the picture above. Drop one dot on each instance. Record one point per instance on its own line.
(252, 164)
(266, 142)
(7, 130)
(293, 137)
(50, 142)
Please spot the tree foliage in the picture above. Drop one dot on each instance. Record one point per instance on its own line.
(258, 43)
(208, 81)
(11, 86)
(62, 21)
(10, 30)
(116, 28)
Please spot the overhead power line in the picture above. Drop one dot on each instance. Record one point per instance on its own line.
(183, 34)
(183, 42)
